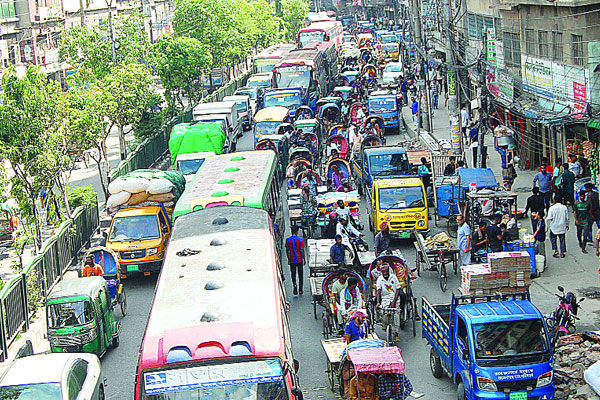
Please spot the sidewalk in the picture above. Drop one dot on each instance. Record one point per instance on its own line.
(577, 272)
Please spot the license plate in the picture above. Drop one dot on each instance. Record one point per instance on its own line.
(405, 235)
(133, 267)
(518, 396)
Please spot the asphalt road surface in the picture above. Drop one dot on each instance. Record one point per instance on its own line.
(119, 365)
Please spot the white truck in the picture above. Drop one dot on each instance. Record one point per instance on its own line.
(244, 109)
(225, 113)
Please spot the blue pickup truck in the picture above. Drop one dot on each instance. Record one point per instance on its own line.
(291, 98)
(386, 104)
(379, 162)
(492, 347)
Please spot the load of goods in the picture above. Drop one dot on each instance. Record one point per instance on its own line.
(505, 272)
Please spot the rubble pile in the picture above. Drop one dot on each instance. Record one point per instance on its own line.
(506, 272)
(573, 355)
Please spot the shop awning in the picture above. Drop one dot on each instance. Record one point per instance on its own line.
(594, 123)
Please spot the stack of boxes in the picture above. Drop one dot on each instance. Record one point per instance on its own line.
(505, 272)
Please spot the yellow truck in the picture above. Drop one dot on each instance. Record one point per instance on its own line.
(401, 202)
(139, 236)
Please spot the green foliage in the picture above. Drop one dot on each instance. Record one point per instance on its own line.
(294, 14)
(153, 119)
(180, 63)
(81, 196)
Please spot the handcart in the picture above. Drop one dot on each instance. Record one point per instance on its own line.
(435, 259)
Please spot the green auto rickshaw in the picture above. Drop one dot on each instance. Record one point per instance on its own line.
(80, 317)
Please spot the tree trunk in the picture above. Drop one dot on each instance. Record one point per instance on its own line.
(100, 174)
(63, 191)
(122, 144)
(38, 228)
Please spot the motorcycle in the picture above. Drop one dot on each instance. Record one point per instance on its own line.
(562, 321)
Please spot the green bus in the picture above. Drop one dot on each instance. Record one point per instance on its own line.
(248, 178)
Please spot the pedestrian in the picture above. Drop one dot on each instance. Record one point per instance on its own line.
(435, 93)
(495, 234)
(424, 173)
(415, 112)
(535, 203)
(382, 240)
(582, 220)
(539, 233)
(544, 180)
(568, 186)
(294, 246)
(544, 161)
(594, 206)
(557, 175)
(464, 120)
(450, 168)
(464, 241)
(404, 91)
(473, 133)
(480, 240)
(575, 166)
(558, 222)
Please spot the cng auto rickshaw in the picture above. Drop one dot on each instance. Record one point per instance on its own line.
(109, 262)
(80, 317)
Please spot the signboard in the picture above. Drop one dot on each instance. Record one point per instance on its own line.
(210, 376)
(455, 132)
(506, 89)
(537, 76)
(451, 83)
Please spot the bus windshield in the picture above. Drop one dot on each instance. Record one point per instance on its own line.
(264, 65)
(234, 381)
(261, 83)
(73, 313)
(283, 99)
(497, 340)
(266, 128)
(382, 105)
(134, 227)
(293, 76)
(397, 198)
(311, 37)
(389, 164)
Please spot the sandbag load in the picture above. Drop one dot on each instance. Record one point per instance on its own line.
(145, 187)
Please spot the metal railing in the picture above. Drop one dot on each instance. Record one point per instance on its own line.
(156, 146)
(21, 296)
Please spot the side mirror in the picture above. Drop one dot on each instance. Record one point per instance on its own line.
(297, 393)
(296, 365)
(561, 289)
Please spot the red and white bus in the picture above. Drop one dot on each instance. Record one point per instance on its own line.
(322, 31)
(269, 57)
(218, 327)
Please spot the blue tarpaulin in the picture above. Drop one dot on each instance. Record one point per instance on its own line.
(483, 177)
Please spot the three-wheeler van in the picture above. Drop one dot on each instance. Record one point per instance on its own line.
(400, 202)
(80, 317)
(492, 346)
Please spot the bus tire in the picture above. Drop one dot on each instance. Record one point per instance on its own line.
(435, 363)
(460, 392)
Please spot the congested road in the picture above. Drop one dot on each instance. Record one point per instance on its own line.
(119, 365)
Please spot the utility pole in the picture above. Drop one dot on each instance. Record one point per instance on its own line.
(423, 94)
(453, 108)
(82, 12)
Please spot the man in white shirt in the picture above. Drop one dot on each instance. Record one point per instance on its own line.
(346, 230)
(464, 120)
(575, 166)
(558, 222)
(388, 291)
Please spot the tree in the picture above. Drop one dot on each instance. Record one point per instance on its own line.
(29, 138)
(180, 63)
(126, 93)
(294, 15)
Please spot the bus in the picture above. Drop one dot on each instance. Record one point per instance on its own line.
(269, 57)
(322, 31)
(249, 178)
(219, 327)
(308, 68)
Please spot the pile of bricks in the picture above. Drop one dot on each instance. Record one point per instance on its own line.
(572, 356)
(505, 272)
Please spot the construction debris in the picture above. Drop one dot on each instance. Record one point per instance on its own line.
(573, 355)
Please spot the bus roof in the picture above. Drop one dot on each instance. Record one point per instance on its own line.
(243, 174)
(226, 295)
(320, 26)
(276, 50)
(272, 114)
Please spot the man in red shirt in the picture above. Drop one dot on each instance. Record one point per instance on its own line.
(294, 246)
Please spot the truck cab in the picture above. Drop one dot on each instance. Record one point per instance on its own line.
(291, 98)
(385, 103)
(139, 236)
(380, 162)
(400, 202)
(492, 347)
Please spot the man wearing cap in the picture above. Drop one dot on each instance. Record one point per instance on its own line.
(356, 328)
(382, 239)
(91, 268)
(388, 291)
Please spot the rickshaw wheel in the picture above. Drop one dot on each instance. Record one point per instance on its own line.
(325, 326)
(418, 265)
(414, 316)
(452, 226)
(443, 281)
(331, 375)
(123, 302)
(315, 309)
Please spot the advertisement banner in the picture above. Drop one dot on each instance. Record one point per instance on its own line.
(506, 90)
(537, 76)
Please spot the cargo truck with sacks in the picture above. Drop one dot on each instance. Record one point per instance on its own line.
(141, 204)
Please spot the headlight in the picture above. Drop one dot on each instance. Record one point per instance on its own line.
(486, 384)
(89, 336)
(151, 252)
(421, 223)
(544, 379)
